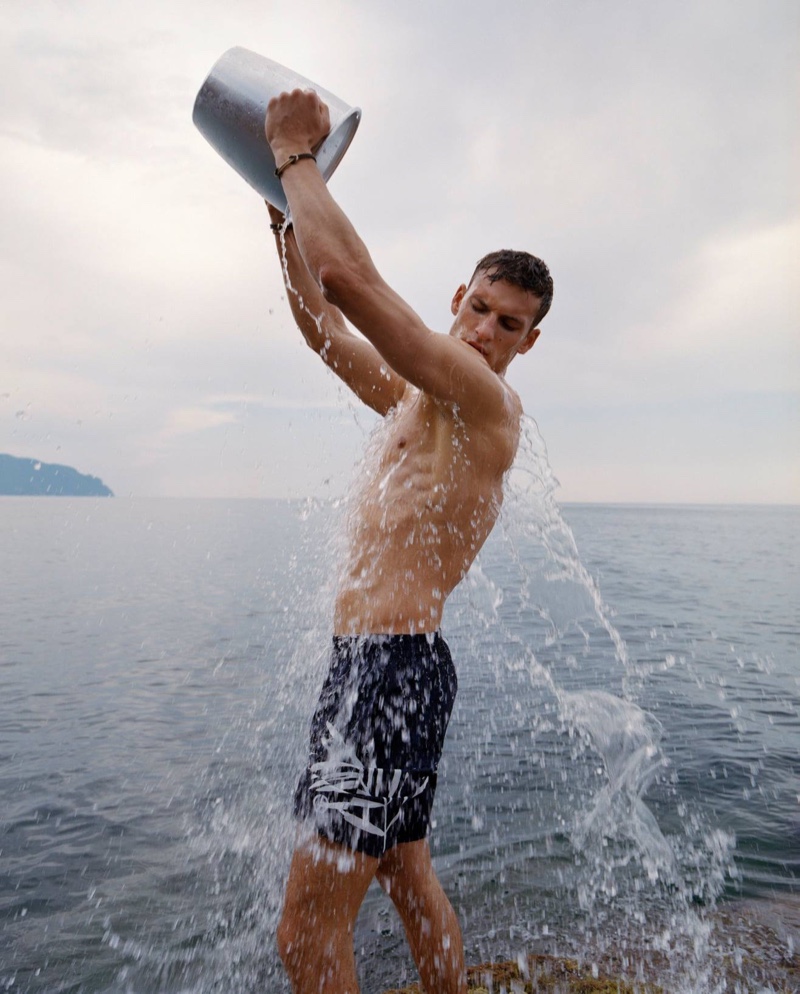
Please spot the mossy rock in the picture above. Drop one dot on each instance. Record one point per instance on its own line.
(545, 975)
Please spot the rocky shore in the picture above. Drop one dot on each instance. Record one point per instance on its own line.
(756, 951)
(548, 974)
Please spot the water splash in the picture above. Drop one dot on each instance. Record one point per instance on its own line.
(626, 739)
(638, 888)
(531, 514)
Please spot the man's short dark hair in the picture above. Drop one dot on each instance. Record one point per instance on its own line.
(523, 270)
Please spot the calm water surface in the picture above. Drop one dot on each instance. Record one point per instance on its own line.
(158, 665)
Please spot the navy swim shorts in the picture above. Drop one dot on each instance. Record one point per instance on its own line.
(376, 740)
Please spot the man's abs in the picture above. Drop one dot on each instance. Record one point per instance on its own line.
(417, 522)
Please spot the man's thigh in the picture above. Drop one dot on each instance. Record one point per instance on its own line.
(327, 882)
(406, 869)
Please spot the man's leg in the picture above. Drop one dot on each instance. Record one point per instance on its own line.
(326, 886)
(406, 874)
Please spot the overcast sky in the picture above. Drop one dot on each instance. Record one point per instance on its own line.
(649, 152)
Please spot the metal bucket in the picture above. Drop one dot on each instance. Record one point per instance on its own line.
(231, 108)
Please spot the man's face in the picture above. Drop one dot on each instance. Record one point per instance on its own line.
(496, 319)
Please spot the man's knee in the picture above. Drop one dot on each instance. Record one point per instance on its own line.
(308, 948)
(290, 933)
(308, 922)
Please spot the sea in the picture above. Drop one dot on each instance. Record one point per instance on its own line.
(620, 783)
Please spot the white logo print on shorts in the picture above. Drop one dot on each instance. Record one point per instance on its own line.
(368, 790)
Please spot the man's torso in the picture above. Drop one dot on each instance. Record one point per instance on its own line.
(432, 493)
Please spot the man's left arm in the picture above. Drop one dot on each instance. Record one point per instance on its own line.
(354, 360)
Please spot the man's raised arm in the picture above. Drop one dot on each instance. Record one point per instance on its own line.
(352, 358)
(339, 262)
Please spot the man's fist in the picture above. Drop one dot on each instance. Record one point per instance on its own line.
(296, 122)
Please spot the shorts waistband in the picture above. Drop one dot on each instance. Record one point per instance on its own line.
(390, 638)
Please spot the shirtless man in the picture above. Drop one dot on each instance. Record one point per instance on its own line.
(418, 524)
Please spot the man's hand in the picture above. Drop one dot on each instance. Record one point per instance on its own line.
(296, 122)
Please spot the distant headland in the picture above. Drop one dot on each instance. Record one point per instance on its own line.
(30, 477)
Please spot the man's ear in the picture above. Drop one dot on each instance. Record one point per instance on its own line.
(457, 298)
(528, 341)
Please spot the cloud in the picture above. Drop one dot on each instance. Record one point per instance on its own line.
(725, 321)
(189, 420)
(739, 289)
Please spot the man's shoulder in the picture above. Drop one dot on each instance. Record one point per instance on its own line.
(495, 434)
(502, 411)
